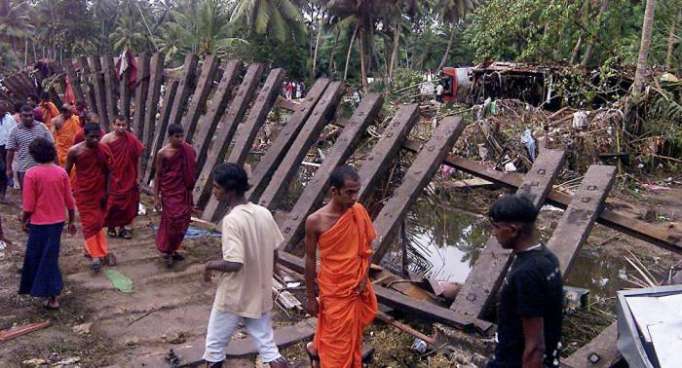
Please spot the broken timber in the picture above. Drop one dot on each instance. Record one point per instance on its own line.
(314, 190)
(100, 94)
(272, 158)
(576, 222)
(374, 165)
(208, 123)
(141, 89)
(86, 78)
(229, 122)
(491, 266)
(152, 106)
(124, 95)
(246, 133)
(184, 89)
(305, 139)
(155, 141)
(201, 92)
(600, 352)
(418, 175)
(109, 96)
(75, 82)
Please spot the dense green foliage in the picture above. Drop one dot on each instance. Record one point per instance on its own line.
(345, 39)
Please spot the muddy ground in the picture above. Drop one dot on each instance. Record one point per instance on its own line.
(101, 327)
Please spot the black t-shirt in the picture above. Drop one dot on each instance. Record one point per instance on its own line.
(532, 288)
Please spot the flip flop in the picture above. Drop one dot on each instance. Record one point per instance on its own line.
(110, 260)
(112, 233)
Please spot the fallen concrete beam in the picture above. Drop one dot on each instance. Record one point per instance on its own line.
(601, 352)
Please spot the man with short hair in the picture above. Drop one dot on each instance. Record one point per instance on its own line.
(343, 232)
(250, 237)
(175, 175)
(93, 161)
(531, 298)
(47, 109)
(18, 141)
(66, 125)
(124, 197)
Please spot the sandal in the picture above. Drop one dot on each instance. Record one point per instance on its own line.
(125, 234)
(112, 232)
(96, 265)
(50, 306)
(110, 260)
(177, 257)
(314, 358)
(168, 258)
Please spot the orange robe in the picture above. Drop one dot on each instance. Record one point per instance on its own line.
(49, 111)
(345, 255)
(64, 137)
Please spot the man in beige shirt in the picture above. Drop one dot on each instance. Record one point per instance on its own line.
(250, 237)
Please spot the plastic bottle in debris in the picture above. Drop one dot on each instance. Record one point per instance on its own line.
(419, 346)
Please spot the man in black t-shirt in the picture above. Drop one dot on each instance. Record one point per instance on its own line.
(531, 298)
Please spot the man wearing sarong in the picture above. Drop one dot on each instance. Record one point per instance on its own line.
(345, 303)
(93, 161)
(66, 126)
(124, 195)
(175, 173)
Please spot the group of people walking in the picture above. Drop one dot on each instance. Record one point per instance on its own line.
(71, 164)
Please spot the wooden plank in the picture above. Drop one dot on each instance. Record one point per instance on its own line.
(88, 79)
(216, 107)
(151, 106)
(223, 138)
(419, 174)
(305, 139)
(246, 133)
(601, 352)
(576, 223)
(124, 95)
(100, 94)
(391, 298)
(75, 81)
(490, 267)
(667, 237)
(155, 141)
(313, 192)
(141, 89)
(269, 162)
(184, 89)
(201, 92)
(109, 86)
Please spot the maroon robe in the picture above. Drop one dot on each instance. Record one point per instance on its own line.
(176, 182)
(92, 167)
(124, 193)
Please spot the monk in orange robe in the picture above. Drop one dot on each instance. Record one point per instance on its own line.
(346, 303)
(48, 110)
(175, 174)
(124, 197)
(93, 161)
(66, 126)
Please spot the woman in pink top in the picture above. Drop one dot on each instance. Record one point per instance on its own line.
(47, 199)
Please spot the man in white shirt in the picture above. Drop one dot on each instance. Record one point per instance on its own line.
(250, 237)
(7, 122)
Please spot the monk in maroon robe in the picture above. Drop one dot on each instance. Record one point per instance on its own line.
(93, 161)
(173, 185)
(124, 194)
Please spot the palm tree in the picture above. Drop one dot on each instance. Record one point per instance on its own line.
(280, 18)
(197, 27)
(15, 21)
(645, 46)
(452, 12)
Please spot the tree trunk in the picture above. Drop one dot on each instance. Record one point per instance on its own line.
(350, 49)
(593, 39)
(332, 53)
(317, 47)
(447, 49)
(671, 41)
(394, 50)
(576, 50)
(363, 59)
(25, 51)
(644, 48)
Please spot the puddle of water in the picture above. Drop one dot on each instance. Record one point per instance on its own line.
(444, 242)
